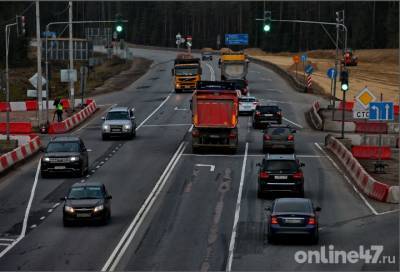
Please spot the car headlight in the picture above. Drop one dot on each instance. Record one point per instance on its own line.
(46, 159)
(178, 85)
(106, 127)
(99, 208)
(74, 159)
(69, 209)
(127, 127)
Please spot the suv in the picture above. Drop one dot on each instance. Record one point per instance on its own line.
(65, 154)
(206, 56)
(265, 114)
(241, 84)
(119, 121)
(277, 137)
(280, 173)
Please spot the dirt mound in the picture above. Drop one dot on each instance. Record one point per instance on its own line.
(378, 55)
(322, 54)
(207, 49)
(254, 52)
(225, 50)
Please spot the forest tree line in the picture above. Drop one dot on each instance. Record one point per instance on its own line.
(370, 24)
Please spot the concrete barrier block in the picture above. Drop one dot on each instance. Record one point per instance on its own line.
(336, 126)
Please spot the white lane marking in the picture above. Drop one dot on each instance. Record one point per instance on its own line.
(212, 166)
(248, 155)
(391, 211)
(167, 125)
(347, 179)
(4, 244)
(212, 72)
(28, 208)
(266, 79)
(151, 114)
(131, 231)
(180, 109)
(293, 123)
(33, 226)
(85, 125)
(56, 205)
(42, 218)
(237, 213)
(7, 239)
(50, 210)
(191, 128)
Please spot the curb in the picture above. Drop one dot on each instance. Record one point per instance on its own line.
(315, 118)
(32, 105)
(368, 185)
(19, 154)
(73, 121)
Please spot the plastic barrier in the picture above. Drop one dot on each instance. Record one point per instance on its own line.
(19, 154)
(371, 152)
(31, 105)
(348, 107)
(371, 127)
(396, 109)
(74, 120)
(17, 128)
(3, 106)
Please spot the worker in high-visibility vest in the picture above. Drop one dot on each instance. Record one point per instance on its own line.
(59, 111)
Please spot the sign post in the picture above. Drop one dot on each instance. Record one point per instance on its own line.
(331, 73)
(309, 70)
(178, 38)
(296, 60)
(189, 43)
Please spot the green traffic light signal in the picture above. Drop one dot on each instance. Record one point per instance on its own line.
(119, 28)
(345, 86)
(267, 28)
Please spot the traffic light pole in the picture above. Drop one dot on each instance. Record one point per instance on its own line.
(46, 49)
(7, 32)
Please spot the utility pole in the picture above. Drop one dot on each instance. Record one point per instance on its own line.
(336, 63)
(39, 64)
(71, 59)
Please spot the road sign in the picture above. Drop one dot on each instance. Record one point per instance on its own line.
(237, 39)
(34, 79)
(189, 43)
(188, 38)
(360, 114)
(331, 73)
(68, 75)
(309, 69)
(364, 98)
(296, 59)
(178, 36)
(304, 57)
(381, 111)
(33, 93)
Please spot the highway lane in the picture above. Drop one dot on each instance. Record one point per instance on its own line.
(192, 228)
(129, 174)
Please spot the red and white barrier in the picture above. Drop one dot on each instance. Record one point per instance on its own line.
(22, 139)
(32, 105)
(74, 120)
(370, 186)
(315, 117)
(19, 154)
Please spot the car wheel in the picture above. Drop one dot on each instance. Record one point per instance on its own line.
(301, 193)
(44, 174)
(265, 150)
(66, 223)
(260, 194)
(315, 238)
(81, 171)
(104, 137)
(254, 125)
(271, 239)
(195, 150)
(178, 90)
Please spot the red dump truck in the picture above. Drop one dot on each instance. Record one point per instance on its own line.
(215, 112)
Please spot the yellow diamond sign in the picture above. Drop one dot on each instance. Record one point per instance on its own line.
(365, 97)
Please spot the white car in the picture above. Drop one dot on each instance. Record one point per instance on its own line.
(247, 104)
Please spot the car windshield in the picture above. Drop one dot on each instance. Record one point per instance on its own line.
(268, 109)
(63, 147)
(117, 115)
(185, 71)
(292, 206)
(248, 99)
(240, 84)
(278, 131)
(280, 165)
(85, 192)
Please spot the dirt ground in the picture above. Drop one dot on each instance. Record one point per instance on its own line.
(391, 175)
(377, 69)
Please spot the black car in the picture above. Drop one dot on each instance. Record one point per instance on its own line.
(65, 154)
(293, 216)
(280, 173)
(266, 114)
(241, 84)
(206, 56)
(278, 137)
(87, 201)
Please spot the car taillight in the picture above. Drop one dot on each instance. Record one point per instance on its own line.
(298, 175)
(290, 138)
(264, 175)
(311, 221)
(279, 113)
(258, 113)
(267, 137)
(195, 133)
(232, 135)
(255, 103)
(274, 220)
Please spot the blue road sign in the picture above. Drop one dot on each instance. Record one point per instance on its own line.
(236, 39)
(381, 111)
(331, 73)
(304, 57)
(309, 69)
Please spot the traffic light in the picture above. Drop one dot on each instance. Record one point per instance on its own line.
(344, 78)
(21, 23)
(267, 21)
(119, 27)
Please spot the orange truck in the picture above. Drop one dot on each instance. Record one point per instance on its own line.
(215, 110)
(234, 65)
(186, 72)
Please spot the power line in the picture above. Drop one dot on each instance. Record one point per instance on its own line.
(22, 13)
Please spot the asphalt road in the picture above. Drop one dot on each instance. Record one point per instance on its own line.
(173, 210)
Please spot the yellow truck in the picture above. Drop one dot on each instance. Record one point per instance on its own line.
(234, 65)
(186, 72)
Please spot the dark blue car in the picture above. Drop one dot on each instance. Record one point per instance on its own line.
(293, 216)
